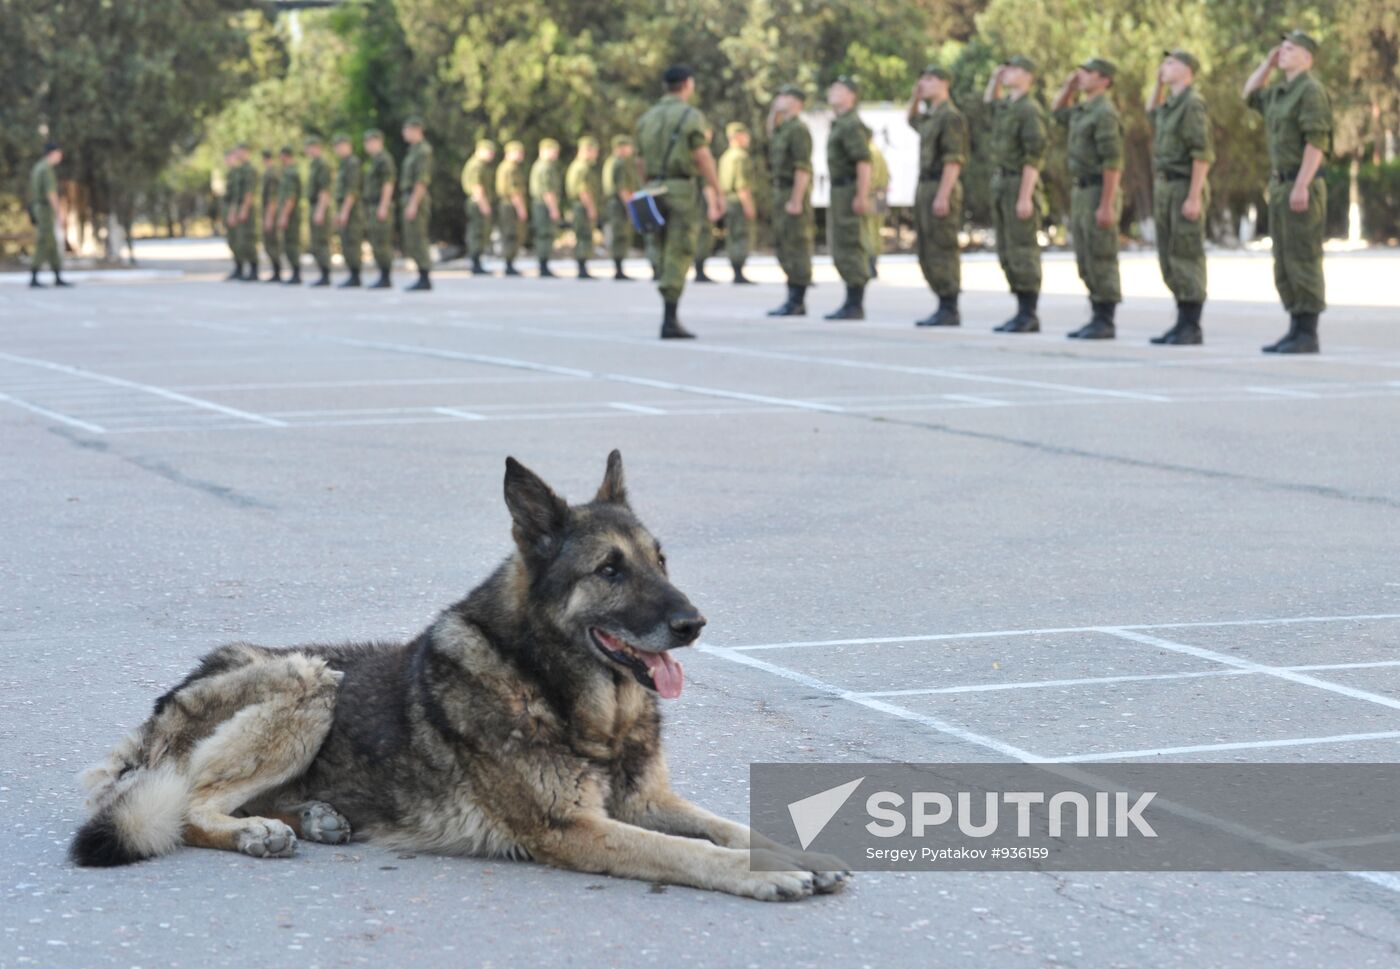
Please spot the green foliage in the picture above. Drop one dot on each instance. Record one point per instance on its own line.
(1380, 201)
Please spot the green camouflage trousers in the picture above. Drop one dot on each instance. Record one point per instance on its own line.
(542, 230)
(46, 248)
(583, 233)
(291, 238)
(738, 233)
(246, 236)
(478, 230)
(381, 239)
(870, 226)
(846, 236)
(673, 248)
(1181, 243)
(352, 238)
(1018, 249)
(939, 257)
(619, 229)
(272, 244)
(1095, 249)
(509, 221)
(415, 236)
(1298, 247)
(321, 240)
(793, 236)
(704, 232)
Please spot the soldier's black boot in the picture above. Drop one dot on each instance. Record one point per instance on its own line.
(250, 275)
(325, 279)
(671, 328)
(510, 268)
(1292, 332)
(700, 276)
(1025, 320)
(353, 282)
(1304, 340)
(236, 275)
(583, 272)
(384, 281)
(617, 270)
(947, 314)
(34, 281)
(1100, 325)
(874, 271)
(477, 268)
(295, 278)
(795, 305)
(1170, 335)
(276, 276)
(1187, 331)
(853, 308)
(739, 278)
(545, 271)
(423, 284)
(62, 283)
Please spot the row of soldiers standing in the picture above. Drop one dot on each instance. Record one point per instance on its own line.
(354, 203)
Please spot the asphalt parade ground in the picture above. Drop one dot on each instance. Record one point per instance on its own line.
(954, 546)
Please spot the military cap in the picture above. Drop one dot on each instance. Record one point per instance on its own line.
(676, 74)
(310, 140)
(1023, 62)
(413, 121)
(286, 150)
(933, 70)
(266, 153)
(515, 146)
(241, 146)
(1185, 56)
(373, 133)
(792, 90)
(341, 138)
(588, 141)
(735, 128)
(619, 140)
(1100, 66)
(485, 143)
(548, 143)
(1300, 39)
(51, 146)
(849, 83)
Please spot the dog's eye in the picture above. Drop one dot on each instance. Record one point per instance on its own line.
(661, 560)
(608, 571)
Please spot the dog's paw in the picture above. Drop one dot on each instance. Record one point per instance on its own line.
(830, 872)
(265, 838)
(775, 886)
(324, 824)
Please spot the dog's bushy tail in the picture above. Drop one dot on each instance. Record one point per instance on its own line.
(138, 812)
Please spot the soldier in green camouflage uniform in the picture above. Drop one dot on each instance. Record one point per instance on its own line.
(676, 157)
(705, 231)
(1182, 154)
(794, 230)
(546, 189)
(1018, 151)
(232, 179)
(414, 181)
(583, 187)
(511, 211)
(349, 212)
(289, 214)
(379, 205)
(479, 186)
(848, 164)
(1298, 119)
(1095, 154)
(938, 200)
(736, 182)
(620, 181)
(318, 193)
(248, 219)
(873, 224)
(272, 236)
(46, 209)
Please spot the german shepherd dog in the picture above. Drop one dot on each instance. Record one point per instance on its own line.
(523, 723)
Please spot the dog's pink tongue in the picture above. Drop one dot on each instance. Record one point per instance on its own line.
(666, 673)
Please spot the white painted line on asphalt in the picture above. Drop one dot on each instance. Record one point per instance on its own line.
(455, 412)
(984, 401)
(53, 414)
(145, 388)
(812, 683)
(637, 408)
(1115, 755)
(1278, 672)
(1044, 684)
(1057, 630)
(1282, 392)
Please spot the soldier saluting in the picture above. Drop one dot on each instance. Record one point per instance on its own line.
(1018, 151)
(938, 200)
(1182, 154)
(1298, 119)
(1096, 168)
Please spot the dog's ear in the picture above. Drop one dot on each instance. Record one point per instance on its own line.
(613, 490)
(538, 513)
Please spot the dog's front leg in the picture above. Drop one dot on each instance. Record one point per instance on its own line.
(596, 843)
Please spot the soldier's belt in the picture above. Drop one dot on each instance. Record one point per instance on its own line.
(933, 175)
(1174, 177)
(783, 182)
(842, 182)
(1085, 181)
(1291, 174)
(1009, 172)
